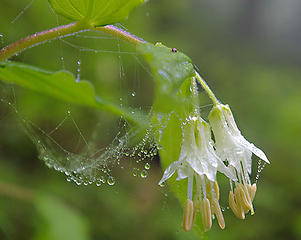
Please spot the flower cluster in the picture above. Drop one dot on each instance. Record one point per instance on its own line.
(201, 158)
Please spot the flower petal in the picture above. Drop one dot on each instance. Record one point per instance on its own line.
(258, 152)
(170, 170)
(184, 171)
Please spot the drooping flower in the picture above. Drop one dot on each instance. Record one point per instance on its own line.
(237, 152)
(199, 163)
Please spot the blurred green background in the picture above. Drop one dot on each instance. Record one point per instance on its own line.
(249, 52)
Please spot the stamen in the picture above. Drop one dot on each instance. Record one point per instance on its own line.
(188, 216)
(206, 214)
(231, 187)
(233, 205)
(247, 198)
(240, 209)
(253, 191)
(243, 198)
(216, 190)
(196, 204)
(190, 187)
(218, 212)
(209, 190)
(204, 186)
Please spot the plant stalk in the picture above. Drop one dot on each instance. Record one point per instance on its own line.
(62, 31)
(207, 89)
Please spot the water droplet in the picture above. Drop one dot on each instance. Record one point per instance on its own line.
(147, 166)
(78, 71)
(135, 172)
(133, 94)
(98, 183)
(111, 181)
(143, 174)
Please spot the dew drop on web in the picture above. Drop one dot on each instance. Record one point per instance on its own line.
(1, 40)
(143, 173)
(147, 166)
(111, 181)
(78, 70)
(261, 165)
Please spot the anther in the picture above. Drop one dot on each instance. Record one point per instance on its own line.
(245, 200)
(238, 200)
(233, 205)
(218, 213)
(196, 204)
(253, 191)
(216, 190)
(188, 215)
(206, 214)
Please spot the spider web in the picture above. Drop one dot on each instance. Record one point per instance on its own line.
(87, 162)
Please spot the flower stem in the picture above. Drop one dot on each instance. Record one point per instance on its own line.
(207, 89)
(40, 37)
(62, 31)
(117, 32)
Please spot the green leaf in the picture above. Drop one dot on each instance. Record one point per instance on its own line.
(59, 221)
(63, 86)
(170, 68)
(95, 12)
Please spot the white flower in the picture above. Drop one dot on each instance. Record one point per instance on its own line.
(234, 149)
(197, 154)
(198, 160)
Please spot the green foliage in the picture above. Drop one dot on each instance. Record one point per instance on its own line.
(170, 68)
(95, 12)
(63, 86)
(58, 221)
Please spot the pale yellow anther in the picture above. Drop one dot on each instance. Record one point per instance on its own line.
(218, 213)
(206, 214)
(196, 204)
(188, 215)
(234, 206)
(244, 198)
(208, 190)
(216, 190)
(249, 187)
(238, 200)
(253, 191)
